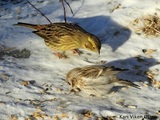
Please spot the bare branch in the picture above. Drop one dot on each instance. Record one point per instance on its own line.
(64, 10)
(39, 11)
(69, 7)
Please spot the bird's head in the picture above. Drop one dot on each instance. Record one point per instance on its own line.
(72, 76)
(92, 43)
(72, 79)
(69, 80)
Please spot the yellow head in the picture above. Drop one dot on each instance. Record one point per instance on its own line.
(92, 43)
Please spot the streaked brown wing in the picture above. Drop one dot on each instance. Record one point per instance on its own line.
(70, 26)
(91, 71)
(61, 36)
(49, 34)
(112, 70)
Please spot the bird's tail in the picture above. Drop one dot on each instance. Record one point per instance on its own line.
(111, 70)
(129, 83)
(26, 25)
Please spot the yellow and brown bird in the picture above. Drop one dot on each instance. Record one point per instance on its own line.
(96, 80)
(65, 36)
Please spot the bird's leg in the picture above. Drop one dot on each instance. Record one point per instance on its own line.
(76, 51)
(74, 90)
(60, 55)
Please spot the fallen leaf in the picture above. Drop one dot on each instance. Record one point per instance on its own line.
(132, 106)
(158, 112)
(13, 117)
(64, 115)
(148, 51)
(4, 76)
(2, 103)
(25, 83)
(56, 117)
(120, 102)
(87, 113)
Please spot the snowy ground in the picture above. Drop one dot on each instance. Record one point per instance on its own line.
(35, 87)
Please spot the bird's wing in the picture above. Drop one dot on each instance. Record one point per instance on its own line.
(100, 74)
(128, 83)
(92, 75)
(92, 71)
(69, 26)
(107, 71)
(48, 37)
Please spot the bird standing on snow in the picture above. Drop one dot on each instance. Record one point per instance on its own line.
(65, 36)
(96, 80)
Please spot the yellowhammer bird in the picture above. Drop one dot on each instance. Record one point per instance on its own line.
(96, 80)
(65, 36)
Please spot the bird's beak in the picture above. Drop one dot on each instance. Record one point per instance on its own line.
(98, 52)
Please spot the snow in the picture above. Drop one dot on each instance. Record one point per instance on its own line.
(45, 71)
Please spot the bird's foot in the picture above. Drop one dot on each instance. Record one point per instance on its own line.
(76, 51)
(74, 90)
(71, 91)
(60, 55)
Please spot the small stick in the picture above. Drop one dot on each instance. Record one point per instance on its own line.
(39, 11)
(69, 7)
(64, 10)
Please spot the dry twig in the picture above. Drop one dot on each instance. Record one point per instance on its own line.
(69, 7)
(39, 11)
(64, 9)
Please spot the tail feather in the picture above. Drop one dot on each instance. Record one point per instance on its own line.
(112, 70)
(129, 83)
(33, 26)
